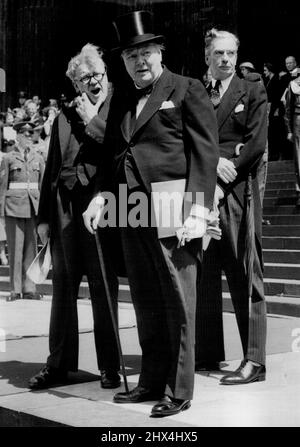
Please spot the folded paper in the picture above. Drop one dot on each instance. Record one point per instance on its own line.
(40, 266)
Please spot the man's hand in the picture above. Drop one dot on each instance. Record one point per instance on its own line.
(193, 227)
(92, 215)
(290, 136)
(43, 231)
(226, 170)
(86, 109)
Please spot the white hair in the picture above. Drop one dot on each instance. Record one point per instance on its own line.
(89, 55)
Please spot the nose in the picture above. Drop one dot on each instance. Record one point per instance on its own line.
(225, 57)
(93, 81)
(140, 59)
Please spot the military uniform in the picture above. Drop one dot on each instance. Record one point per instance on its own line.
(21, 175)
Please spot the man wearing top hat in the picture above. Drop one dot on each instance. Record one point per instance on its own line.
(21, 174)
(161, 128)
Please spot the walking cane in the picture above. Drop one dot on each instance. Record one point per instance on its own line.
(109, 302)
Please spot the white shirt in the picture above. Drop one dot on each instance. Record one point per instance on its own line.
(224, 84)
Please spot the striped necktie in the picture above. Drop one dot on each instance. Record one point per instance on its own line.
(214, 94)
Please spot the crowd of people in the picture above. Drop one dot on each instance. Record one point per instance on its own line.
(30, 109)
(162, 132)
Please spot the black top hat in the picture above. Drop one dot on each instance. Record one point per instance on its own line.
(22, 126)
(134, 29)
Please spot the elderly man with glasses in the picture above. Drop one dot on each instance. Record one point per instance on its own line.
(74, 154)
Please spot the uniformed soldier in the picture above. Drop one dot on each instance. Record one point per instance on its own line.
(21, 174)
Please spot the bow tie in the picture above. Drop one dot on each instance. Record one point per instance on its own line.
(140, 92)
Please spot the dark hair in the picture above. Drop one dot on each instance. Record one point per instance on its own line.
(269, 66)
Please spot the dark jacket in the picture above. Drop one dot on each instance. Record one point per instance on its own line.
(89, 145)
(242, 118)
(174, 136)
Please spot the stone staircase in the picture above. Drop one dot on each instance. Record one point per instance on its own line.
(281, 248)
(281, 242)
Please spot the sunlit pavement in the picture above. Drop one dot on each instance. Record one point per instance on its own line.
(82, 403)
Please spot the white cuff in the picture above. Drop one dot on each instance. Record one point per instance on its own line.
(99, 200)
(199, 211)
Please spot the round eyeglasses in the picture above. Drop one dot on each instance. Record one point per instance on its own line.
(85, 80)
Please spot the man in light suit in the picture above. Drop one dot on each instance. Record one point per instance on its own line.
(241, 110)
(68, 185)
(21, 176)
(161, 128)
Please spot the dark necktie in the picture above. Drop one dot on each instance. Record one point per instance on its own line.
(140, 92)
(214, 94)
(26, 150)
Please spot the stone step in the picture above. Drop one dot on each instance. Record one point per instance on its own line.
(275, 305)
(283, 176)
(281, 230)
(286, 270)
(282, 256)
(280, 193)
(281, 201)
(282, 271)
(282, 210)
(273, 286)
(283, 219)
(282, 185)
(46, 289)
(284, 166)
(281, 243)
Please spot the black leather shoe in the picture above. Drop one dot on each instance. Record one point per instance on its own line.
(109, 378)
(138, 394)
(169, 406)
(207, 366)
(47, 377)
(31, 296)
(246, 373)
(13, 296)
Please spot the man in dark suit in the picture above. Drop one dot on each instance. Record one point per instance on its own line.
(68, 185)
(241, 110)
(161, 128)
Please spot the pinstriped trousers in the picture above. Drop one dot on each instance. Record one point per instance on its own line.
(227, 255)
(162, 282)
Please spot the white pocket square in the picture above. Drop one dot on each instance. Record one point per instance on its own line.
(239, 108)
(167, 105)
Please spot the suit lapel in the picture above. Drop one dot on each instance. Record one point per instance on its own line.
(161, 92)
(233, 94)
(125, 126)
(126, 115)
